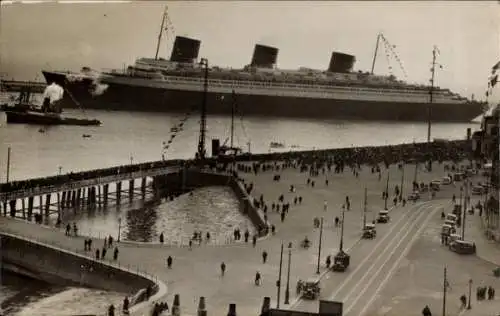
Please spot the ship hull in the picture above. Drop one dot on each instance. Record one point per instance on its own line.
(33, 118)
(122, 97)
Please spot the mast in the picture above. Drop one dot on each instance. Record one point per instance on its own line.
(164, 17)
(376, 50)
(431, 99)
(203, 118)
(232, 117)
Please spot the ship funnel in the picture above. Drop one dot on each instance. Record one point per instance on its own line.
(264, 56)
(185, 50)
(340, 62)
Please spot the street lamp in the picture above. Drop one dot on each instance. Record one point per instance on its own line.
(60, 170)
(386, 190)
(278, 283)
(287, 290)
(119, 228)
(470, 291)
(402, 182)
(319, 246)
(8, 164)
(131, 160)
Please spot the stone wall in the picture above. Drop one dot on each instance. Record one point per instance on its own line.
(57, 266)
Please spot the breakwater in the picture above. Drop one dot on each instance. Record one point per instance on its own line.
(58, 266)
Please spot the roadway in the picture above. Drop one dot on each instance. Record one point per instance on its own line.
(374, 261)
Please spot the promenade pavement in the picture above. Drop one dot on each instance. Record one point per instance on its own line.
(196, 272)
(419, 279)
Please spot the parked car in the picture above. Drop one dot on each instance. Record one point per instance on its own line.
(383, 217)
(463, 247)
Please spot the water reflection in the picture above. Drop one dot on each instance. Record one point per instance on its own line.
(210, 209)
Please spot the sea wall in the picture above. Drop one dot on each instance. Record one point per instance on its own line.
(57, 266)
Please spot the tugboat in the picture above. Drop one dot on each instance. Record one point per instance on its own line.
(26, 112)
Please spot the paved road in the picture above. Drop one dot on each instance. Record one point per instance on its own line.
(373, 262)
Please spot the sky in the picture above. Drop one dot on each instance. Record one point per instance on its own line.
(55, 36)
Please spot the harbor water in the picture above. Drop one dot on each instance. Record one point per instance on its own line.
(126, 138)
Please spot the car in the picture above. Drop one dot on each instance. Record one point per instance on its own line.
(477, 190)
(463, 247)
(369, 231)
(383, 216)
(450, 222)
(446, 181)
(435, 186)
(459, 176)
(451, 217)
(414, 196)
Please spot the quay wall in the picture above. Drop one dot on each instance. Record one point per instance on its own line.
(58, 266)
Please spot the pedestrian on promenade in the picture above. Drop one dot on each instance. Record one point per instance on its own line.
(264, 257)
(426, 311)
(105, 242)
(254, 240)
(103, 253)
(161, 238)
(328, 261)
(208, 237)
(75, 229)
(90, 243)
(247, 234)
(97, 253)
(222, 268)
(273, 229)
(85, 244)
(169, 262)
(110, 241)
(337, 220)
(257, 278)
(190, 244)
(111, 310)
(68, 229)
(115, 254)
(126, 304)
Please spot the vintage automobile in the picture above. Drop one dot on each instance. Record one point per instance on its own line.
(446, 181)
(435, 185)
(463, 247)
(450, 222)
(341, 261)
(454, 237)
(414, 196)
(447, 230)
(383, 217)
(451, 217)
(369, 231)
(478, 190)
(311, 289)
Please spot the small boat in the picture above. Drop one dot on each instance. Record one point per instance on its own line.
(86, 135)
(175, 129)
(276, 145)
(25, 112)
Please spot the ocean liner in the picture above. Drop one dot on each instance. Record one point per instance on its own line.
(176, 85)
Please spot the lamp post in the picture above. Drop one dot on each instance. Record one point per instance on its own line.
(8, 164)
(461, 210)
(470, 292)
(131, 160)
(416, 171)
(278, 283)
(402, 182)
(203, 119)
(119, 228)
(287, 290)
(319, 246)
(60, 170)
(386, 191)
(464, 210)
(445, 287)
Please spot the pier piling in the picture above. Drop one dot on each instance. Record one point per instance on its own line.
(13, 208)
(23, 205)
(4, 208)
(47, 206)
(131, 190)
(73, 198)
(63, 200)
(105, 196)
(99, 196)
(78, 197)
(118, 192)
(143, 187)
(30, 207)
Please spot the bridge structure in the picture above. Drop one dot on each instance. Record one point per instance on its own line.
(89, 188)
